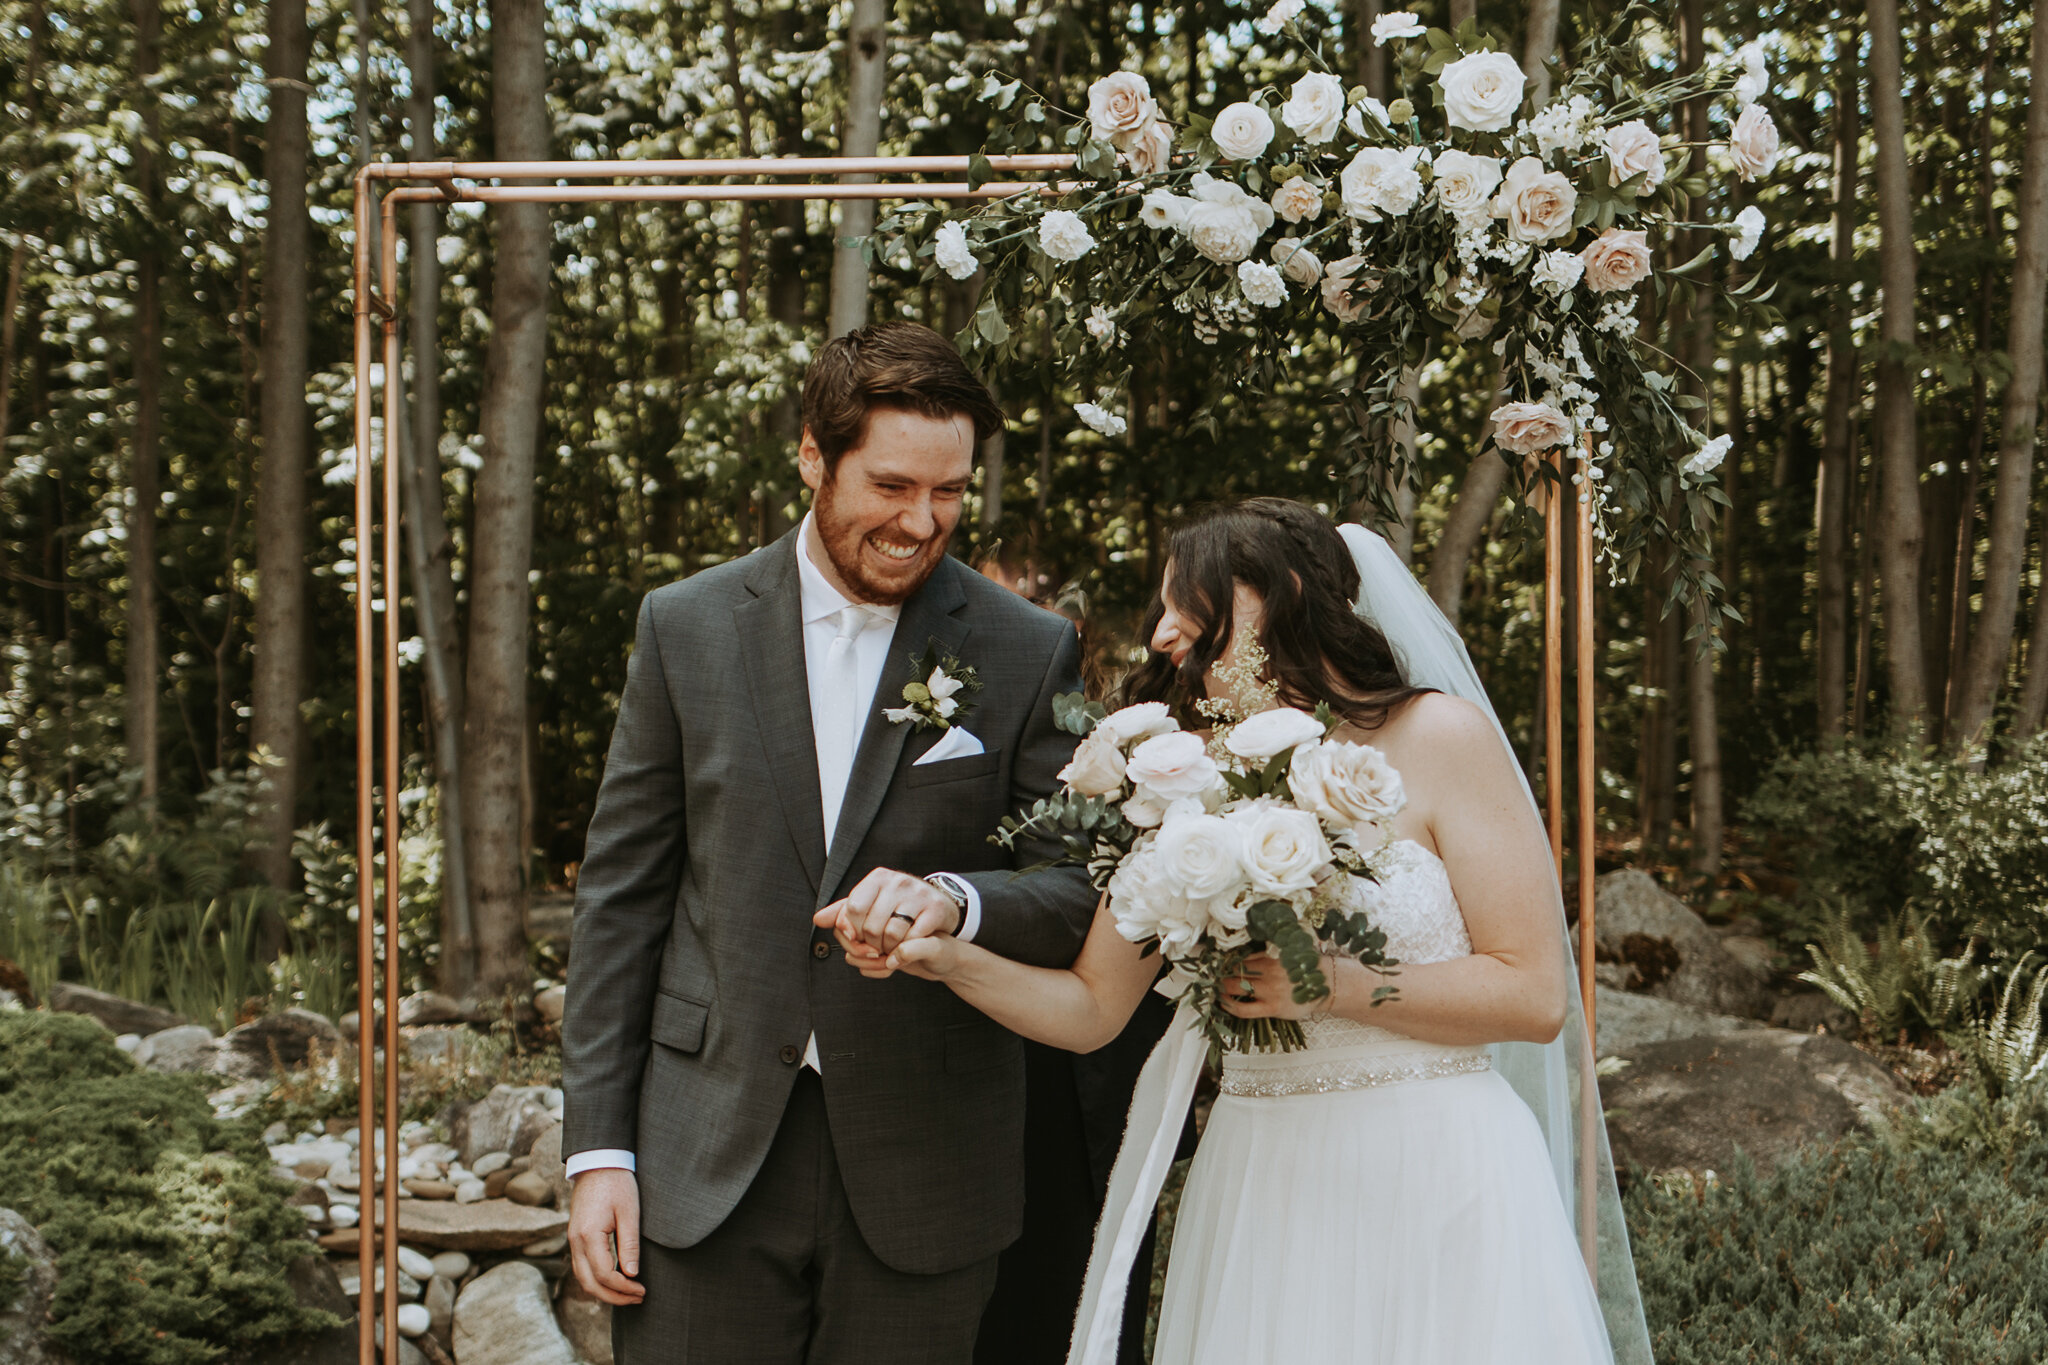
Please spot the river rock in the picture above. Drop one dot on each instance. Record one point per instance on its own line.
(440, 1304)
(451, 1265)
(1671, 952)
(1623, 1021)
(548, 1165)
(503, 1317)
(586, 1322)
(489, 1225)
(414, 1319)
(281, 1039)
(24, 1321)
(186, 1047)
(428, 1189)
(529, 1189)
(119, 1015)
(492, 1122)
(489, 1164)
(428, 1007)
(417, 1264)
(548, 1004)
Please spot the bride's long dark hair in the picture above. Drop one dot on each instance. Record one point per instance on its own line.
(1317, 646)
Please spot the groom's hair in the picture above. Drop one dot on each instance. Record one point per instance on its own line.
(890, 365)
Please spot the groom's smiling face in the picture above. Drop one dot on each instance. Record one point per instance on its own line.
(887, 509)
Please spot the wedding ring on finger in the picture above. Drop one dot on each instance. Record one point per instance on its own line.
(898, 914)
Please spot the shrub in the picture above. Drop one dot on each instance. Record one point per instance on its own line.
(173, 1239)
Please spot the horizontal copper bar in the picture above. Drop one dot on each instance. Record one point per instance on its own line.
(712, 168)
(700, 194)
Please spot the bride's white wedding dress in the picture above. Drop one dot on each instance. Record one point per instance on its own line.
(1374, 1200)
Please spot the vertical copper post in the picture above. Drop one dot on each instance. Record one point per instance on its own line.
(388, 452)
(1589, 1088)
(1553, 666)
(366, 867)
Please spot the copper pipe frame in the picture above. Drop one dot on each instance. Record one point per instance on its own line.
(454, 182)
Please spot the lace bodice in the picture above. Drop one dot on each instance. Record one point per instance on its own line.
(1413, 904)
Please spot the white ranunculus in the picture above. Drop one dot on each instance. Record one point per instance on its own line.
(1297, 262)
(1097, 767)
(1754, 143)
(1465, 183)
(1261, 284)
(1755, 77)
(1538, 204)
(1144, 812)
(1284, 850)
(1297, 199)
(1529, 428)
(1482, 91)
(1119, 105)
(1381, 182)
(1135, 723)
(1161, 209)
(1101, 325)
(1149, 150)
(1347, 784)
(1198, 856)
(1063, 236)
(1749, 230)
(1557, 271)
(1315, 107)
(1283, 13)
(1172, 766)
(1708, 457)
(1337, 294)
(1242, 131)
(1632, 149)
(950, 250)
(1617, 259)
(1258, 738)
(1100, 419)
(1399, 24)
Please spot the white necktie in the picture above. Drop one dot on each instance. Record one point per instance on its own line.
(840, 727)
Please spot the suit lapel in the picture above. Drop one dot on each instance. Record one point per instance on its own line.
(772, 650)
(927, 618)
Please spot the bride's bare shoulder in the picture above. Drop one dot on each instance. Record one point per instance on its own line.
(1434, 721)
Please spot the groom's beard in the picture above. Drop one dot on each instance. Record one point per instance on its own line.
(886, 583)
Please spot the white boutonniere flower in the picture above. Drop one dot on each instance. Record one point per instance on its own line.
(941, 696)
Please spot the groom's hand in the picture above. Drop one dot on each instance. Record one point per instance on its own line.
(604, 1236)
(886, 908)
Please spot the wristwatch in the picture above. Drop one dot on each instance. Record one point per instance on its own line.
(956, 891)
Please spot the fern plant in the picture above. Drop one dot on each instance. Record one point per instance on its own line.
(1900, 981)
(2007, 1050)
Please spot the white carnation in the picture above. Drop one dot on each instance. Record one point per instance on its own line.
(1399, 24)
(950, 250)
(1063, 236)
(1242, 131)
(1315, 108)
(1261, 284)
(1482, 91)
(1381, 182)
(1100, 419)
(1101, 325)
(1557, 271)
(1749, 230)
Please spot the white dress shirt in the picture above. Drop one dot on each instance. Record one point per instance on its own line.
(820, 605)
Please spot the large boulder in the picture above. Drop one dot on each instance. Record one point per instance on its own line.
(546, 1162)
(494, 1121)
(24, 1321)
(1623, 1022)
(1692, 1102)
(120, 1016)
(486, 1225)
(188, 1047)
(282, 1039)
(1669, 951)
(503, 1317)
(586, 1321)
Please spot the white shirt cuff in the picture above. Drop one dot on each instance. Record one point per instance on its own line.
(599, 1159)
(970, 914)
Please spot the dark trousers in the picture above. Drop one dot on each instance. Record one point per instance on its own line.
(787, 1279)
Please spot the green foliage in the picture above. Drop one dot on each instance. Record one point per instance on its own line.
(1897, 982)
(2007, 1050)
(173, 1238)
(1075, 714)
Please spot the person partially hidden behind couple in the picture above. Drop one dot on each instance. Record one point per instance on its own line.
(778, 1159)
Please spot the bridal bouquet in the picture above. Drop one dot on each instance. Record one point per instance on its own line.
(1213, 851)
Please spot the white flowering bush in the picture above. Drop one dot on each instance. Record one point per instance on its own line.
(1457, 215)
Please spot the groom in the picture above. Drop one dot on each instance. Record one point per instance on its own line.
(776, 1159)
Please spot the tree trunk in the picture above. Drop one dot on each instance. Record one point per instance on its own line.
(1831, 496)
(1663, 650)
(1470, 515)
(1370, 59)
(1866, 594)
(1703, 727)
(143, 664)
(2006, 559)
(1401, 531)
(1537, 47)
(494, 720)
(430, 550)
(2033, 705)
(1899, 530)
(867, 60)
(1461, 10)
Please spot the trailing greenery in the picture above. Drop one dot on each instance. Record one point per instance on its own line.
(173, 1238)
(1918, 1245)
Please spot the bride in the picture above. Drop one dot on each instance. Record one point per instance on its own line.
(1384, 1195)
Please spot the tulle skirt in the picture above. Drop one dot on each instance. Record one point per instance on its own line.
(1415, 1223)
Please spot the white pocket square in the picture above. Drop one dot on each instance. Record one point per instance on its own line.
(955, 743)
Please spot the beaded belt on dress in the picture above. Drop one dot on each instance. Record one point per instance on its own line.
(1389, 1059)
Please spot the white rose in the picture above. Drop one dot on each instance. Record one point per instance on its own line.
(1708, 457)
(950, 250)
(1282, 14)
(1617, 259)
(1144, 812)
(1482, 91)
(1315, 107)
(1526, 428)
(1337, 294)
(1557, 271)
(1097, 767)
(1345, 783)
(1537, 204)
(1399, 24)
(1258, 738)
(1632, 149)
(1261, 284)
(1173, 765)
(1063, 236)
(1754, 143)
(1283, 850)
(1138, 897)
(1297, 199)
(1749, 230)
(1149, 150)
(1100, 419)
(1464, 183)
(1181, 927)
(1161, 209)
(1101, 325)
(1296, 261)
(1755, 77)
(1242, 131)
(1120, 104)
(1380, 181)
(1198, 856)
(1133, 723)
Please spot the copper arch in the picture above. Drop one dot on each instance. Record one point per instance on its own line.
(464, 182)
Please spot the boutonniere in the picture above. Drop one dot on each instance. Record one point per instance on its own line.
(943, 697)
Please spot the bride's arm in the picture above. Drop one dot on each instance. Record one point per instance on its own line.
(1080, 1008)
(1512, 988)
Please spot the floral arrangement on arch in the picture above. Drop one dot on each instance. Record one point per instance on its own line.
(1454, 215)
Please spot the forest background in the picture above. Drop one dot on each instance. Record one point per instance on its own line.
(604, 401)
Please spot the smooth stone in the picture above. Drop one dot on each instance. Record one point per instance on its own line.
(276, 1133)
(550, 1003)
(417, 1264)
(546, 1246)
(428, 1007)
(489, 1163)
(314, 1169)
(496, 1181)
(548, 1164)
(471, 1192)
(586, 1322)
(414, 1319)
(529, 1189)
(351, 1281)
(440, 1304)
(521, 1162)
(554, 1267)
(428, 1189)
(128, 1042)
(118, 1014)
(343, 1239)
(344, 1215)
(491, 1225)
(450, 1265)
(531, 1128)
(185, 1048)
(438, 1043)
(504, 1317)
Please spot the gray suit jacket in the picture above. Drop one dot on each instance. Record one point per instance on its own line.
(695, 974)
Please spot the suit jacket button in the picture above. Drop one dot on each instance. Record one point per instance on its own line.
(789, 1054)
(821, 949)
